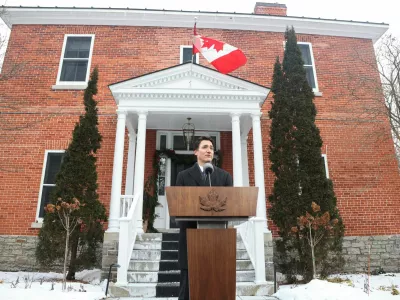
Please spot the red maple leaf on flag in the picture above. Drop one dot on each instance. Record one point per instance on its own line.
(208, 43)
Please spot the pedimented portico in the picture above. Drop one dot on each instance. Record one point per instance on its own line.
(162, 101)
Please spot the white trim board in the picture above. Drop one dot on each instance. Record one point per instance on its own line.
(168, 18)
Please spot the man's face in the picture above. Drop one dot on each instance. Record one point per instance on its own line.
(205, 152)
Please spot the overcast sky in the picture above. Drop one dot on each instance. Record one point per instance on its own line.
(387, 11)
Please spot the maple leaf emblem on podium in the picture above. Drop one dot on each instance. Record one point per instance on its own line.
(212, 202)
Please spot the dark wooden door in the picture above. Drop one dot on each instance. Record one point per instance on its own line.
(176, 167)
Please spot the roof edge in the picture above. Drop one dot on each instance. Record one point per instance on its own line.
(164, 18)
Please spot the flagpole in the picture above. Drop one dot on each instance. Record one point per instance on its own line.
(193, 54)
(194, 34)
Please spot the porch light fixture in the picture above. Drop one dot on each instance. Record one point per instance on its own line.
(188, 131)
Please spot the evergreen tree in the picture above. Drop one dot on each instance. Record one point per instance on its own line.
(295, 154)
(77, 179)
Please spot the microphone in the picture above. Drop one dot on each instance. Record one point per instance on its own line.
(208, 170)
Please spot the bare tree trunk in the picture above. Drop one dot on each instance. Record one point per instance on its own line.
(72, 262)
(312, 253)
(64, 285)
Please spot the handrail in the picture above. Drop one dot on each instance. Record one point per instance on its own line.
(127, 235)
(252, 234)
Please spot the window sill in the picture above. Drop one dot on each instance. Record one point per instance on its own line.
(317, 94)
(69, 86)
(36, 225)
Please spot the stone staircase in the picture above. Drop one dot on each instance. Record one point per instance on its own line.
(154, 272)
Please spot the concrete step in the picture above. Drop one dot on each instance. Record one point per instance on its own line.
(169, 254)
(169, 245)
(176, 298)
(171, 236)
(242, 254)
(157, 254)
(253, 289)
(149, 237)
(174, 276)
(169, 276)
(148, 290)
(171, 230)
(146, 255)
(165, 265)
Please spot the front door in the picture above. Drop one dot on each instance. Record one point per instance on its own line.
(184, 162)
(170, 167)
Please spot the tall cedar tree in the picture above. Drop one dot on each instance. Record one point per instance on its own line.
(295, 154)
(77, 179)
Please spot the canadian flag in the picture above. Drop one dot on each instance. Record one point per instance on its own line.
(224, 57)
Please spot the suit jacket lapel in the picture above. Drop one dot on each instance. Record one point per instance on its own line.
(195, 173)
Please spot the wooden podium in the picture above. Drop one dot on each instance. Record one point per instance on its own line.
(212, 247)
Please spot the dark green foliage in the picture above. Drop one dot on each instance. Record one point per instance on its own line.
(295, 154)
(77, 178)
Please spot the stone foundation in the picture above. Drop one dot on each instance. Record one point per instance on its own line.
(17, 253)
(110, 255)
(269, 256)
(385, 253)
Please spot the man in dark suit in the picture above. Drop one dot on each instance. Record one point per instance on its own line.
(194, 176)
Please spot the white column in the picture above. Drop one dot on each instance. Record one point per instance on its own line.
(130, 168)
(245, 161)
(259, 168)
(236, 151)
(113, 224)
(138, 185)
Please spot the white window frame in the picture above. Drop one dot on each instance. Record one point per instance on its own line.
(316, 89)
(170, 139)
(40, 220)
(181, 53)
(325, 156)
(74, 84)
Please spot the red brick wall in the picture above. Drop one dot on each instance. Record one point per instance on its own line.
(363, 169)
(270, 10)
(226, 151)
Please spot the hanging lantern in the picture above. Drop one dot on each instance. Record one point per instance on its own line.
(188, 130)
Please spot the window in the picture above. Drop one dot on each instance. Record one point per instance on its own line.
(325, 162)
(163, 142)
(309, 66)
(75, 59)
(179, 143)
(51, 166)
(186, 54)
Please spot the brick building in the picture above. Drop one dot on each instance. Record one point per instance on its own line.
(147, 90)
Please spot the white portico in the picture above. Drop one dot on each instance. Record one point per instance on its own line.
(162, 101)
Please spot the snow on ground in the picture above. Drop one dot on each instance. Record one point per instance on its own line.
(351, 287)
(42, 284)
(381, 287)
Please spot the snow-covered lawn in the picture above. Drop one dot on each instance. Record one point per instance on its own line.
(381, 287)
(41, 288)
(351, 287)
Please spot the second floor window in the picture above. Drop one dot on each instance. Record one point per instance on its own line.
(186, 55)
(309, 66)
(76, 57)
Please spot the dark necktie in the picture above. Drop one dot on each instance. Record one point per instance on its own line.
(204, 176)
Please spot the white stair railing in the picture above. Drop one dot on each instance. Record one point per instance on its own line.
(127, 235)
(252, 234)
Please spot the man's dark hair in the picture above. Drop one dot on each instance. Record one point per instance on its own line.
(200, 139)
